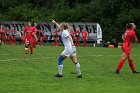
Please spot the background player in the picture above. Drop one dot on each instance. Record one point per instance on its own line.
(14, 32)
(41, 42)
(69, 50)
(22, 35)
(85, 37)
(56, 37)
(29, 37)
(127, 37)
(77, 36)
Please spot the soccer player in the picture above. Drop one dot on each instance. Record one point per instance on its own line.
(77, 36)
(69, 51)
(7, 35)
(127, 37)
(22, 35)
(1, 34)
(41, 37)
(85, 36)
(14, 36)
(73, 34)
(35, 26)
(29, 39)
(56, 37)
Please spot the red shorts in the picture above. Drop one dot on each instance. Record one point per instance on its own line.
(126, 48)
(84, 38)
(29, 39)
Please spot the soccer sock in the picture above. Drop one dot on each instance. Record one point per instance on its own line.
(120, 64)
(60, 69)
(60, 65)
(26, 50)
(78, 69)
(131, 65)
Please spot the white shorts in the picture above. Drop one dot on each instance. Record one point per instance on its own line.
(69, 52)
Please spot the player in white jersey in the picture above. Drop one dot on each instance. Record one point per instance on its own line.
(69, 50)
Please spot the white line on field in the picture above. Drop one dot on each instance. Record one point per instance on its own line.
(55, 57)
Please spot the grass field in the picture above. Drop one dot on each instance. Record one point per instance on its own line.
(20, 73)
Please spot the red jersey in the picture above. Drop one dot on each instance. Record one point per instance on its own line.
(56, 34)
(129, 35)
(29, 32)
(84, 34)
(35, 29)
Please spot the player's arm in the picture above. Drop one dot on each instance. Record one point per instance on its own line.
(123, 37)
(57, 24)
(71, 40)
(135, 37)
(136, 40)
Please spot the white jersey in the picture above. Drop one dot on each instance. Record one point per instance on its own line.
(65, 40)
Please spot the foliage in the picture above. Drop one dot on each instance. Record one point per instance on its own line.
(112, 15)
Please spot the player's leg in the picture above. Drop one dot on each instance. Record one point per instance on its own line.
(121, 63)
(75, 61)
(14, 39)
(84, 42)
(60, 65)
(43, 40)
(31, 47)
(131, 64)
(26, 46)
(78, 41)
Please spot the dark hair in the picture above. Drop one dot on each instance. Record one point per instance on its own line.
(129, 26)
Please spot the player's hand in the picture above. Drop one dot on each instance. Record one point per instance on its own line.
(53, 21)
(73, 46)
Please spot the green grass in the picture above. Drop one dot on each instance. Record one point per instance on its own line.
(20, 73)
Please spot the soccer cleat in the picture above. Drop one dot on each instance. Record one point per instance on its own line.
(58, 75)
(26, 53)
(79, 76)
(31, 53)
(136, 71)
(117, 71)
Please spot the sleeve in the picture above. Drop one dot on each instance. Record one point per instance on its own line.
(133, 34)
(66, 34)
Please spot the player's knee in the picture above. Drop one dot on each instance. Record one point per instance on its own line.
(60, 60)
(26, 44)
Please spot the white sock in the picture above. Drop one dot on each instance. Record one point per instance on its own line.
(60, 68)
(78, 69)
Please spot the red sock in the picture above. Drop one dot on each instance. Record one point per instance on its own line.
(26, 51)
(120, 64)
(131, 65)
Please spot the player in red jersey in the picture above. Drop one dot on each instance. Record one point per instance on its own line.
(7, 36)
(56, 37)
(41, 37)
(73, 34)
(22, 35)
(77, 36)
(127, 37)
(29, 37)
(35, 35)
(85, 37)
(14, 32)
(2, 34)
